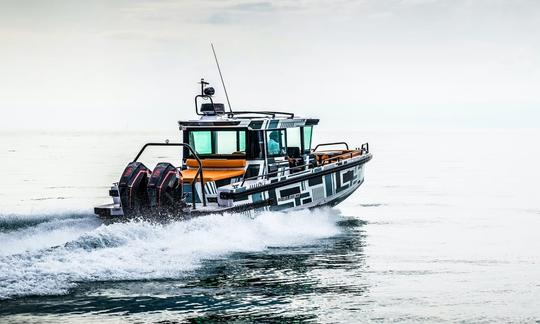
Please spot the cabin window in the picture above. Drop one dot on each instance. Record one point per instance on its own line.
(226, 142)
(220, 142)
(201, 141)
(294, 142)
(308, 130)
(275, 142)
(293, 137)
(242, 141)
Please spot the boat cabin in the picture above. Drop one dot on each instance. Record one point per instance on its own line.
(231, 144)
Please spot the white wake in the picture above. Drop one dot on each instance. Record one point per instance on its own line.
(52, 257)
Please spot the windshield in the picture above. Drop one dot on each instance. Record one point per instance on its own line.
(275, 142)
(308, 131)
(221, 142)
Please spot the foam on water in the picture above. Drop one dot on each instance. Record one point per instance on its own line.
(53, 256)
(20, 233)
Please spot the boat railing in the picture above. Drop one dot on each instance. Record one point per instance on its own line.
(364, 149)
(272, 114)
(199, 170)
(331, 144)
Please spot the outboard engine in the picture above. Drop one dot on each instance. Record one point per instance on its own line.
(165, 186)
(132, 187)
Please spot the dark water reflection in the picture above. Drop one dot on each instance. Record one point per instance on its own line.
(300, 283)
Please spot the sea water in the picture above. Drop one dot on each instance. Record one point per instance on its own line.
(445, 228)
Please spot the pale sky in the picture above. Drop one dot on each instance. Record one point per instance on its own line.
(369, 63)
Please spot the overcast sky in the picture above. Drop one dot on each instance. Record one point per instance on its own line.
(368, 63)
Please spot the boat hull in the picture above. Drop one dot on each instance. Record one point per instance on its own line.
(323, 186)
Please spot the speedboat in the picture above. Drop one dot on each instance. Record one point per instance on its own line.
(238, 162)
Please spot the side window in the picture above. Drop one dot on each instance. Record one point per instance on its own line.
(222, 142)
(201, 141)
(294, 142)
(225, 142)
(308, 130)
(242, 141)
(293, 137)
(275, 142)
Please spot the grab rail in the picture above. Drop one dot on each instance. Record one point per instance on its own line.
(199, 170)
(204, 97)
(328, 144)
(363, 149)
(267, 113)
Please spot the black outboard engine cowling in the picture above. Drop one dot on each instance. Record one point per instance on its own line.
(165, 187)
(132, 187)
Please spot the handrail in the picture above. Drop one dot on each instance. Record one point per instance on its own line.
(365, 148)
(204, 97)
(264, 112)
(328, 144)
(199, 170)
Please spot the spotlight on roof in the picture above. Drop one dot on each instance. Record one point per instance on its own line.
(209, 91)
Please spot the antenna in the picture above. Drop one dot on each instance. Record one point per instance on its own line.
(221, 76)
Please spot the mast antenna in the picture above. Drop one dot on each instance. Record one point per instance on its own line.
(221, 76)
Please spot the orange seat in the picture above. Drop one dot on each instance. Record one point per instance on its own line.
(331, 156)
(215, 163)
(214, 169)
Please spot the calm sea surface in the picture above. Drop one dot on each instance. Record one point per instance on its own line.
(445, 228)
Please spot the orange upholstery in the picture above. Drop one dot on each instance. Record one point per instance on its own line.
(214, 163)
(332, 156)
(214, 170)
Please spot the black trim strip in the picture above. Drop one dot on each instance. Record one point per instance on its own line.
(208, 123)
(270, 186)
(235, 209)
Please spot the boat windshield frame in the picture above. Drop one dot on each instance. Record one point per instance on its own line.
(214, 134)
